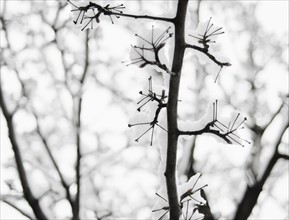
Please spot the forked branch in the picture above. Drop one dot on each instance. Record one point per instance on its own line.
(218, 128)
(27, 191)
(92, 12)
(150, 97)
(188, 204)
(153, 46)
(206, 40)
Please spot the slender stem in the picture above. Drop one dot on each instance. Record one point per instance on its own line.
(207, 129)
(18, 209)
(78, 133)
(172, 106)
(252, 193)
(28, 194)
(214, 59)
(276, 154)
(108, 12)
(143, 17)
(274, 116)
(56, 166)
(283, 156)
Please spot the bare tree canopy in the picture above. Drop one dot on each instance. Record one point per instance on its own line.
(144, 110)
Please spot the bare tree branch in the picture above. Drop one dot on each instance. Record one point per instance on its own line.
(45, 143)
(144, 17)
(252, 193)
(207, 129)
(18, 209)
(172, 106)
(27, 191)
(108, 11)
(33, 202)
(150, 97)
(43, 139)
(204, 51)
(78, 132)
(273, 116)
(218, 128)
(283, 156)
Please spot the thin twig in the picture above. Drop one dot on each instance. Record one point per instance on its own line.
(22, 212)
(204, 51)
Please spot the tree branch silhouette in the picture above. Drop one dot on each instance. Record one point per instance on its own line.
(78, 131)
(252, 193)
(107, 10)
(27, 191)
(17, 208)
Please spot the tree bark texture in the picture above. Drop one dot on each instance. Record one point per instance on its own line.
(170, 173)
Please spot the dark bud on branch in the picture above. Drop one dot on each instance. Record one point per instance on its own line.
(151, 96)
(205, 40)
(153, 46)
(218, 128)
(92, 12)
